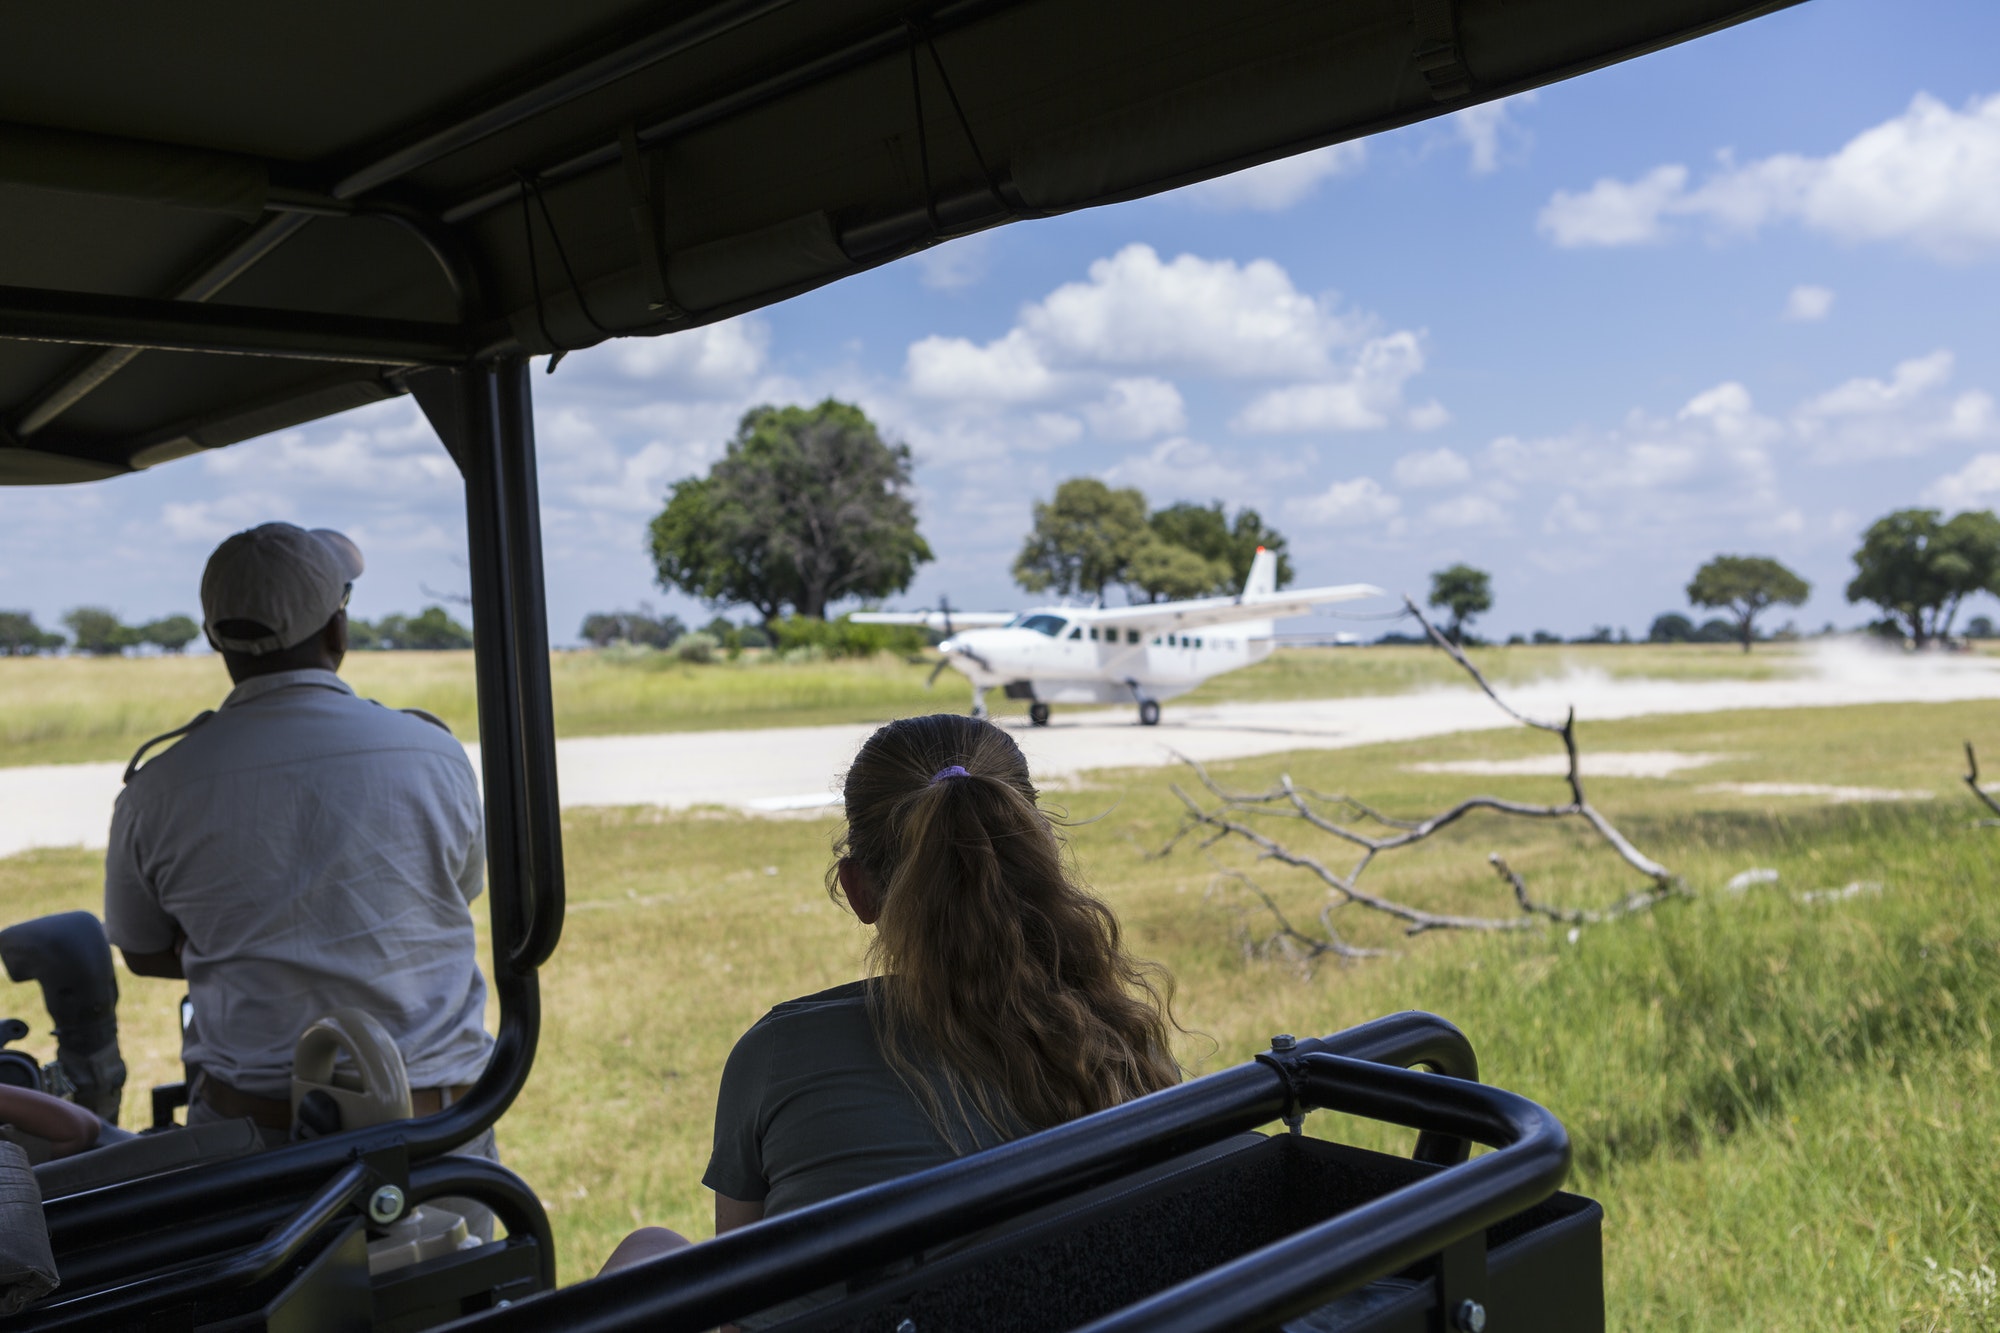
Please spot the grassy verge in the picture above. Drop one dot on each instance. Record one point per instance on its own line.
(1783, 1105)
(66, 710)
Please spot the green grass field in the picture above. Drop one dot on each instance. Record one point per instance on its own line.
(65, 710)
(1784, 1106)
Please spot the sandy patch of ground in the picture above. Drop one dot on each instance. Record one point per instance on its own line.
(1607, 764)
(1815, 790)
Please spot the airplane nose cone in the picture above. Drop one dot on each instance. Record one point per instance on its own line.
(950, 645)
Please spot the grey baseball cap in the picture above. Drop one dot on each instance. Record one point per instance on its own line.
(286, 580)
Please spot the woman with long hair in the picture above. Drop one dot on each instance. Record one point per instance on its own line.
(1001, 1001)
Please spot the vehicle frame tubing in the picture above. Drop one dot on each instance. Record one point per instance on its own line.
(699, 1288)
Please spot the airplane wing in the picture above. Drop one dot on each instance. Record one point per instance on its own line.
(1166, 617)
(934, 619)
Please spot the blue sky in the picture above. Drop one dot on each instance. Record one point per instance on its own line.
(1737, 296)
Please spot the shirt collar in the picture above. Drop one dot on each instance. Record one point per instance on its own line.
(258, 686)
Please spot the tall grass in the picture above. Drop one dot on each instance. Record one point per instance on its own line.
(65, 710)
(1783, 1105)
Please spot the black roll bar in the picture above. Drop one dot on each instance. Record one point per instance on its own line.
(698, 1288)
(214, 1231)
(247, 1267)
(1311, 1267)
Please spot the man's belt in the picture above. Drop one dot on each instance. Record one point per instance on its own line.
(276, 1112)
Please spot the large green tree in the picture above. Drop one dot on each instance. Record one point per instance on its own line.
(1918, 568)
(1744, 586)
(1228, 545)
(1164, 571)
(1089, 536)
(20, 636)
(170, 634)
(1463, 591)
(1083, 539)
(808, 506)
(98, 632)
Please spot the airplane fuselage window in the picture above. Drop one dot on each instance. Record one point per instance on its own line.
(1076, 633)
(1093, 634)
(1045, 624)
(1131, 636)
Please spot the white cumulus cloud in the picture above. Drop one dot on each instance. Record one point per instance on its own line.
(1368, 396)
(1111, 349)
(382, 450)
(1437, 467)
(209, 521)
(1928, 178)
(1211, 316)
(1905, 413)
(1808, 303)
(713, 356)
(1179, 468)
(1614, 212)
(1974, 486)
(1359, 501)
(955, 265)
(1276, 186)
(1009, 369)
(1488, 130)
(1466, 511)
(1138, 409)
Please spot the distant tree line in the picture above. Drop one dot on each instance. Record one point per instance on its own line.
(97, 632)
(1915, 566)
(93, 632)
(796, 636)
(431, 629)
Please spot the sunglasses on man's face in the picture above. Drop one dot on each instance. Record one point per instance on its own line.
(346, 595)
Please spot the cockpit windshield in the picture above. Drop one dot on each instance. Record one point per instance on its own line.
(1042, 624)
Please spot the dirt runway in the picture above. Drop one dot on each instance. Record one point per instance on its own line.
(797, 768)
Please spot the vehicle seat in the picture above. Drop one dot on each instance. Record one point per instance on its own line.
(27, 1265)
(148, 1155)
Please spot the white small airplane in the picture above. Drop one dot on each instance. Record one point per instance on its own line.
(1144, 653)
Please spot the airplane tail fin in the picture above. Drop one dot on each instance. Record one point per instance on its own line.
(1262, 582)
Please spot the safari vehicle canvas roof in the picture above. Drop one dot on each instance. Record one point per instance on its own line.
(351, 191)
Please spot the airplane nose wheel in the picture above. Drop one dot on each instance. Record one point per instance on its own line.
(1038, 714)
(1149, 713)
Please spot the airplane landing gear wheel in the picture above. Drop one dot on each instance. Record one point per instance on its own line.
(1149, 713)
(1038, 714)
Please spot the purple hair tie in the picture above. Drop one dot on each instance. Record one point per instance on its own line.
(955, 771)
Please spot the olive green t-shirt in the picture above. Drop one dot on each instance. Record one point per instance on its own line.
(809, 1108)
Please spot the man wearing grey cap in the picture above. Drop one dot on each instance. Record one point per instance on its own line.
(301, 849)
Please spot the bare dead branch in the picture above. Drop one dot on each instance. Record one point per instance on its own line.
(1972, 781)
(1571, 916)
(1229, 814)
(1311, 946)
(1457, 655)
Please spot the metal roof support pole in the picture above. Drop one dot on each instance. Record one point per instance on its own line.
(529, 632)
(510, 629)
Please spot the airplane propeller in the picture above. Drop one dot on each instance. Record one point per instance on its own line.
(944, 614)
